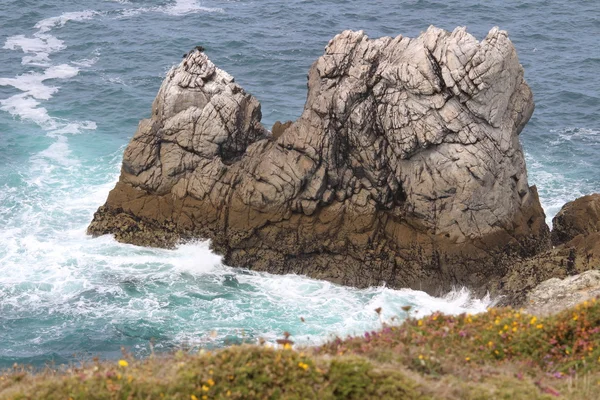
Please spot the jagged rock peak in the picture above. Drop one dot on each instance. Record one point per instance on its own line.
(405, 166)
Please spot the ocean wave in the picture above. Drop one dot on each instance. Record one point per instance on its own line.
(571, 134)
(176, 8)
(46, 25)
(38, 49)
(26, 105)
(180, 7)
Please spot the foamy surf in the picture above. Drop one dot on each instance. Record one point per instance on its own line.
(37, 49)
(46, 25)
(560, 183)
(175, 8)
(130, 295)
(180, 7)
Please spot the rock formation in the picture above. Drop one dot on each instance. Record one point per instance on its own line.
(554, 295)
(405, 166)
(578, 217)
(576, 239)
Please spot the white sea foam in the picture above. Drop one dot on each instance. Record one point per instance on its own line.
(26, 104)
(32, 83)
(27, 107)
(558, 185)
(180, 7)
(57, 154)
(86, 62)
(38, 49)
(176, 8)
(46, 25)
(571, 134)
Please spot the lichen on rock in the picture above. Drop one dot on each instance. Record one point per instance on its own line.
(405, 167)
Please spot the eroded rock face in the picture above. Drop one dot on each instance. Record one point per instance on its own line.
(405, 166)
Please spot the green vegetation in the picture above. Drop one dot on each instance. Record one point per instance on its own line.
(501, 354)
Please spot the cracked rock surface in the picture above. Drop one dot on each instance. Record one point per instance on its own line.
(404, 168)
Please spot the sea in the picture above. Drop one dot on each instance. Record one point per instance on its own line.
(76, 76)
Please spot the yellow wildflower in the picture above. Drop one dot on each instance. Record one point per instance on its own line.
(205, 388)
(467, 358)
(420, 323)
(123, 363)
(210, 382)
(539, 326)
(420, 356)
(302, 365)
(514, 329)
(505, 327)
(287, 346)
(575, 317)
(192, 397)
(533, 320)
(490, 343)
(228, 393)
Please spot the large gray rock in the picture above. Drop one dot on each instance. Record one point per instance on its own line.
(405, 166)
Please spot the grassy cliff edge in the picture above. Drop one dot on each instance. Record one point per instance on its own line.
(501, 354)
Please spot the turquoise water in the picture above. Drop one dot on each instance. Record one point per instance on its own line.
(75, 79)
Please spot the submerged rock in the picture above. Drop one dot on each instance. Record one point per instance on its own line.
(405, 167)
